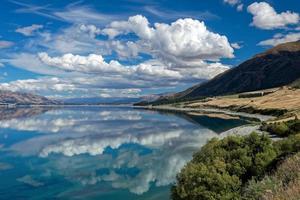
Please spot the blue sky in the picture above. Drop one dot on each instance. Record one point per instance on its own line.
(130, 48)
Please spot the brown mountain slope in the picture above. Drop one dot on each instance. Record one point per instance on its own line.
(276, 67)
(7, 97)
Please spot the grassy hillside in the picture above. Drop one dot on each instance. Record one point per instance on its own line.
(277, 102)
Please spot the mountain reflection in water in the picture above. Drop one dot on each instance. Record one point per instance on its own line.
(99, 152)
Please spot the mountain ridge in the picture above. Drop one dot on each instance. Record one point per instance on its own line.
(275, 67)
(20, 98)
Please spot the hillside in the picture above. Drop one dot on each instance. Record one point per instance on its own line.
(286, 99)
(276, 67)
(18, 98)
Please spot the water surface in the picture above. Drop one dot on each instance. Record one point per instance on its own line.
(105, 153)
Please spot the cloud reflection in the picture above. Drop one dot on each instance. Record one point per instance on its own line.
(124, 148)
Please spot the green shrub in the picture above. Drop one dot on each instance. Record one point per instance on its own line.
(288, 145)
(256, 189)
(220, 169)
(282, 129)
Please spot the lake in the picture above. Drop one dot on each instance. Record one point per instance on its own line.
(108, 153)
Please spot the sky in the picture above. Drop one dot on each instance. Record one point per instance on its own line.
(132, 48)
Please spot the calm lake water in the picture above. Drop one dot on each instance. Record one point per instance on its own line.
(106, 153)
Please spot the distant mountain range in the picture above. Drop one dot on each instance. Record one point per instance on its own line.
(275, 67)
(98, 100)
(18, 98)
(114, 100)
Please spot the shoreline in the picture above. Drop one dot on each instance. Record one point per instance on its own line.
(261, 117)
(240, 130)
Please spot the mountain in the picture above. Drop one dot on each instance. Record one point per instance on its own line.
(155, 97)
(97, 100)
(275, 67)
(18, 98)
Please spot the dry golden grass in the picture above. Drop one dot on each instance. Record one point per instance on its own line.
(214, 115)
(291, 192)
(282, 184)
(284, 98)
(289, 174)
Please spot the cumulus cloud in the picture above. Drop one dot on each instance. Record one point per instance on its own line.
(128, 50)
(29, 30)
(5, 44)
(137, 24)
(136, 54)
(280, 38)
(91, 63)
(95, 64)
(265, 16)
(92, 30)
(148, 70)
(185, 39)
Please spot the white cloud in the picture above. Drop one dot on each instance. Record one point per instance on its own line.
(74, 39)
(171, 14)
(124, 50)
(92, 30)
(83, 15)
(54, 87)
(232, 2)
(156, 69)
(29, 30)
(240, 7)
(91, 63)
(31, 63)
(148, 70)
(5, 44)
(38, 85)
(236, 45)
(185, 39)
(159, 55)
(72, 13)
(137, 24)
(279, 38)
(265, 16)
(237, 3)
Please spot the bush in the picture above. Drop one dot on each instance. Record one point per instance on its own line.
(284, 183)
(200, 181)
(282, 129)
(232, 168)
(289, 145)
(220, 169)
